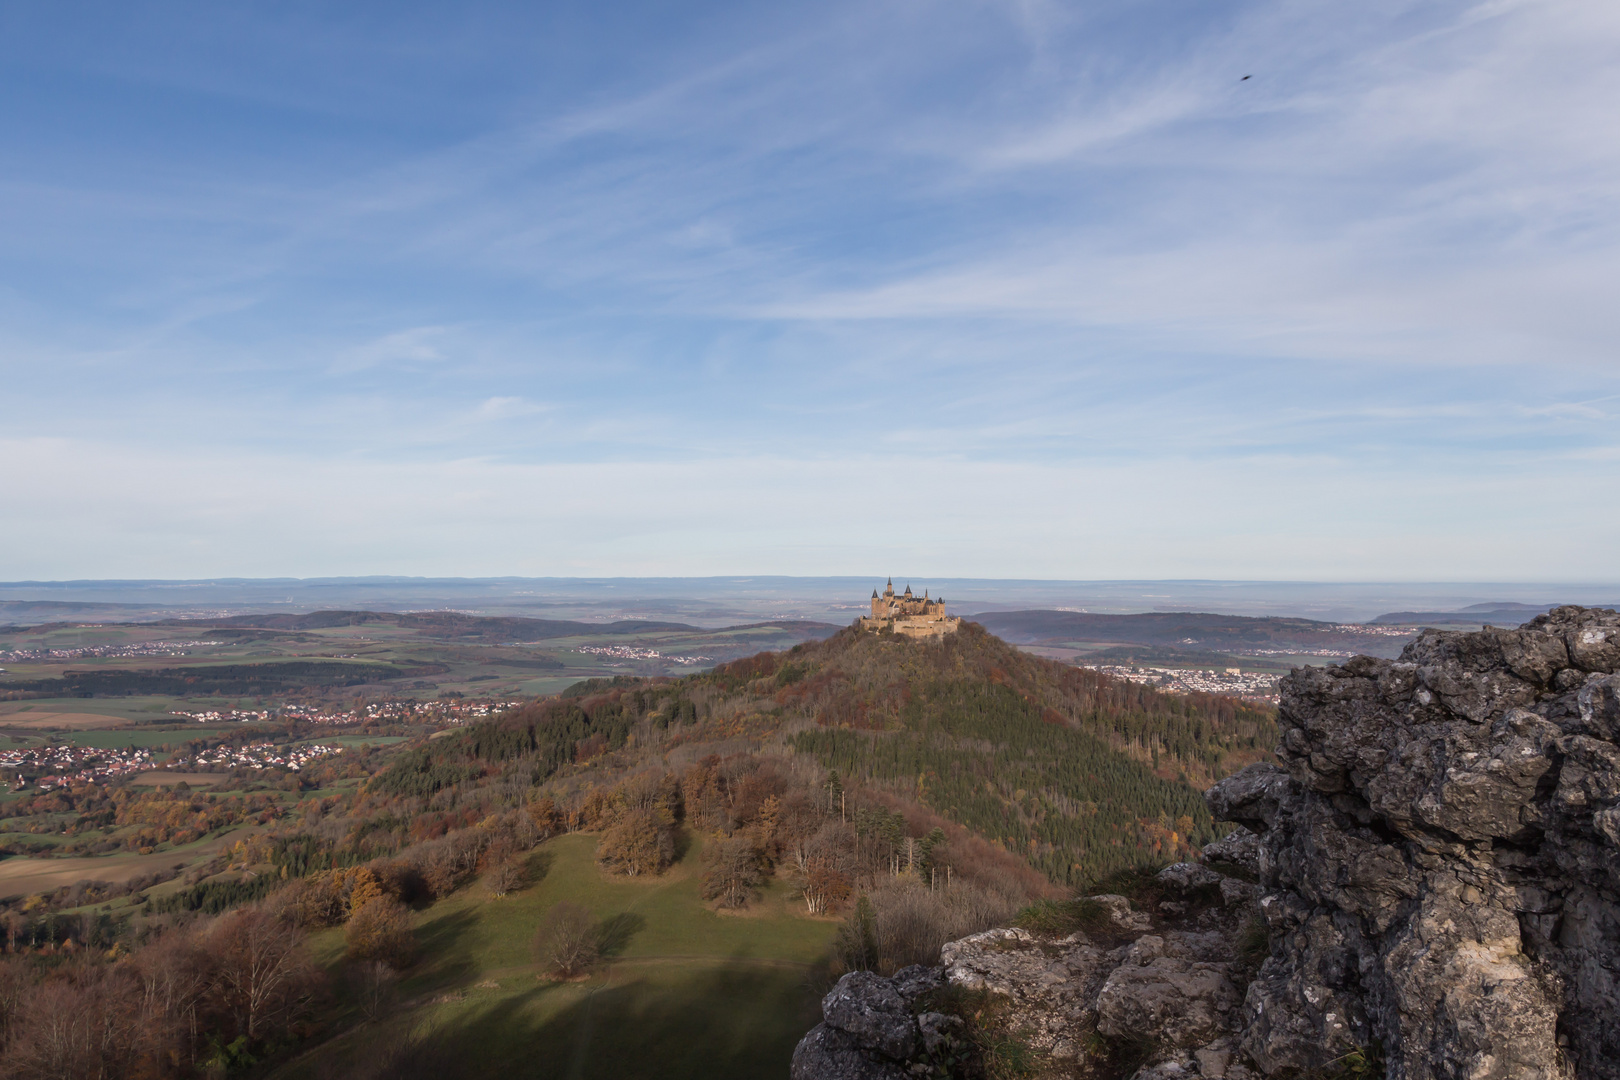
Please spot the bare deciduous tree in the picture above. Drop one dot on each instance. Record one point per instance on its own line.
(263, 972)
(566, 943)
(375, 988)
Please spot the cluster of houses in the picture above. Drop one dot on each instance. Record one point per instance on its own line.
(56, 766)
(218, 716)
(144, 648)
(258, 755)
(631, 652)
(1233, 682)
(451, 712)
(404, 711)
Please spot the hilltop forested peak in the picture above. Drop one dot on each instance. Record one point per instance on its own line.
(1074, 772)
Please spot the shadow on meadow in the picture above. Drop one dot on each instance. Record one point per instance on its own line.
(444, 940)
(729, 1019)
(614, 933)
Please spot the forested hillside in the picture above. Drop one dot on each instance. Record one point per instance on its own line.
(1074, 772)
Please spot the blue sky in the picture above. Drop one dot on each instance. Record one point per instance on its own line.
(977, 289)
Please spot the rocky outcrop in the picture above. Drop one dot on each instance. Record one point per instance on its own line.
(1440, 856)
(875, 1028)
(1168, 989)
(1435, 865)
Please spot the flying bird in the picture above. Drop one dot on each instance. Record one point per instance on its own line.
(1246, 77)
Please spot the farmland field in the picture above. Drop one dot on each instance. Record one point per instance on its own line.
(21, 875)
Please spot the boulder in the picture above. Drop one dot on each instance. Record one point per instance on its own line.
(827, 1053)
(871, 1010)
(1157, 995)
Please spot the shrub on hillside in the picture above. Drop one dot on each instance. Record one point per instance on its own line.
(1057, 918)
(905, 923)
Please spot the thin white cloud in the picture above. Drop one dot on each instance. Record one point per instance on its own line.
(413, 346)
(1315, 517)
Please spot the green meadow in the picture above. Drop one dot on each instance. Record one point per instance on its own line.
(683, 991)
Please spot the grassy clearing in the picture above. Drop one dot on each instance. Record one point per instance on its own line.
(684, 992)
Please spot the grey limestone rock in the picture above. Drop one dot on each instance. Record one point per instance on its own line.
(1440, 857)
(937, 1029)
(827, 1053)
(870, 1008)
(1183, 877)
(868, 1031)
(916, 982)
(1240, 847)
(1174, 999)
(1052, 985)
(1123, 914)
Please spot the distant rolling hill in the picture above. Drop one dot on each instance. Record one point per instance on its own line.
(1183, 630)
(449, 625)
(481, 629)
(1498, 614)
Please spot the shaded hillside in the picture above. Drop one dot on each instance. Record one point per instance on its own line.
(225, 679)
(1077, 773)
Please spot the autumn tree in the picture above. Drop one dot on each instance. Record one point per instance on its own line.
(177, 975)
(825, 888)
(504, 866)
(732, 870)
(636, 843)
(566, 943)
(381, 930)
(548, 821)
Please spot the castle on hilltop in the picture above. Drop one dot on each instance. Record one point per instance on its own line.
(909, 615)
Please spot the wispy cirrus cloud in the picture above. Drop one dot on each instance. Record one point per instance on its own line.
(1022, 235)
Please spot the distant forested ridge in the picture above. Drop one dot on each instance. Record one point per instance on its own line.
(226, 679)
